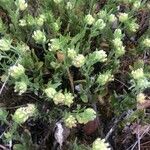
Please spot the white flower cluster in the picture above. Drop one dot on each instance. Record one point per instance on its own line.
(57, 1)
(5, 44)
(100, 24)
(70, 121)
(140, 98)
(146, 42)
(79, 61)
(89, 19)
(40, 20)
(20, 87)
(100, 144)
(100, 56)
(118, 44)
(105, 78)
(137, 74)
(123, 17)
(39, 37)
(59, 97)
(54, 45)
(16, 71)
(21, 4)
(22, 114)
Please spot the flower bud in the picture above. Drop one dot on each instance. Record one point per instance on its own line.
(59, 98)
(39, 37)
(22, 114)
(100, 56)
(146, 42)
(57, 1)
(137, 74)
(79, 61)
(112, 18)
(68, 99)
(119, 51)
(22, 22)
(69, 6)
(137, 4)
(100, 144)
(100, 24)
(133, 26)
(140, 98)
(104, 78)
(71, 53)
(117, 42)
(5, 44)
(118, 34)
(54, 45)
(40, 20)
(16, 71)
(123, 17)
(50, 92)
(70, 121)
(89, 19)
(20, 87)
(102, 14)
(21, 4)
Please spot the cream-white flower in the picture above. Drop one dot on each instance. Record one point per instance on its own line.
(70, 121)
(100, 55)
(146, 42)
(137, 74)
(71, 53)
(20, 87)
(39, 36)
(5, 44)
(68, 99)
(112, 18)
(79, 61)
(140, 98)
(16, 71)
(22, 22)
(22, 4)
(50, 92)
(57, 1)
(100, 24)
(59, 98)
(89, 19)
(123, 17)
(100, 144)
(22, 114)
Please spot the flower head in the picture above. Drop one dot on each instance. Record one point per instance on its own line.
(137, 74)
(16, 71)
(79, 61)
(123, 17)
(22, 22)
(70, 121)
(5, 44)
(59, 98)
(40, 20)
(22, 114)
(50, 92)
(20, 87)
(68, 99)
(146, 42)
(57, 1)
(100, 24)
(140, 98)
(71, 53)
(54, 45)
(89, 19)
(100, 144)
(100, 56)
(22, 4)
(39, 36)
(112, 18)
(104, 78)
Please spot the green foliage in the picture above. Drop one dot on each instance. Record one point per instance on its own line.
(69, 53)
